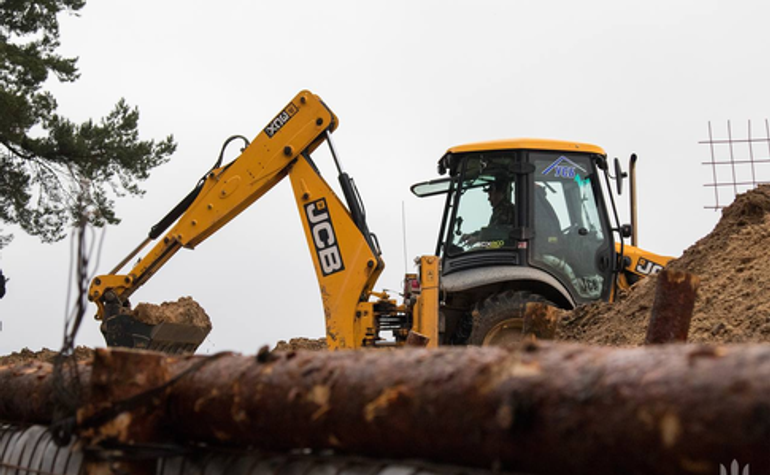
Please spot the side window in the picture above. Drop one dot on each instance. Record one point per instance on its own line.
(486, 209)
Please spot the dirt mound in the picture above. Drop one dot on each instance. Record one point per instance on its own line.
(82, 353)
(301, 344)
(185, 310)
(732, 263)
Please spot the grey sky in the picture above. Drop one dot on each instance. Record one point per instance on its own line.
(407, 80)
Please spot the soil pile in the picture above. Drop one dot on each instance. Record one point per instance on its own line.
(734, 269)
(185, 310)
(45, 355)
(295, 344)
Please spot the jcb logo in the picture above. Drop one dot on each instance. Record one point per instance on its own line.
(324, 238)
(646, 267)
(275, 125)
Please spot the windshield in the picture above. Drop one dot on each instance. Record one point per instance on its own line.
(570, 236)
(486, 212)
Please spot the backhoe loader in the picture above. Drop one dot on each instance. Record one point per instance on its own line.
(472, 291)
(525, 221)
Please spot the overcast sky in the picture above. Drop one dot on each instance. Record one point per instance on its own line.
(408, 79)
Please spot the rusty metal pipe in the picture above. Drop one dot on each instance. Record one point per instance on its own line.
(672, 308)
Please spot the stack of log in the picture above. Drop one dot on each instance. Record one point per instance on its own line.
(540, 407)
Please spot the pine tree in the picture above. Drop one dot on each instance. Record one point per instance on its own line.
(54, 171)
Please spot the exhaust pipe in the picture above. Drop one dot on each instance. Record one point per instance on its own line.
(632, 186)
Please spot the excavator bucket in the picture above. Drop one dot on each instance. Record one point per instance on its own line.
(173, 338)
(172, 327)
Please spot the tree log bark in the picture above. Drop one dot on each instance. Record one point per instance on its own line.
(27, 391)
(117, 376)
(541, 407)
(544, 408)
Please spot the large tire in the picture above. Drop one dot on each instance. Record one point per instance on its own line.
(499, 319)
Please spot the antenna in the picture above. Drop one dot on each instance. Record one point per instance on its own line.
(734, 162)
(403, 230)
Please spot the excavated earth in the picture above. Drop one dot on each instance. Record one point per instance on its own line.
(81, 353)
(733, 265)
(185, 310)
(294, 344)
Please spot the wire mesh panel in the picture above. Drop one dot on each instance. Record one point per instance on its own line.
(31, 450)
(302, 464)
(740, 160)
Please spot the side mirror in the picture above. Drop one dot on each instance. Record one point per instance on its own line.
(431, 187)
(619, 176)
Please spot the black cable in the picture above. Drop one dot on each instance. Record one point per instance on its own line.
(224, 147)
(68, 390)
(182, 206)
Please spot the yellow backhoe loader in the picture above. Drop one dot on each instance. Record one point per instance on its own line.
(525, 221)
(555, 245)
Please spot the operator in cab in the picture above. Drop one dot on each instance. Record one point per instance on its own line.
(503, 211)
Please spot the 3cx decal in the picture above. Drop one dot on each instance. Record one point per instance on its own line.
(563, 167)
(491, 244)
(281, 119)
(324, 238)
(645, 267)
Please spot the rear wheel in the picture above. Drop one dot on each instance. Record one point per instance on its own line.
(499, 319)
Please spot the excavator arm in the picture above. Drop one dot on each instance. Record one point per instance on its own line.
(345, 254)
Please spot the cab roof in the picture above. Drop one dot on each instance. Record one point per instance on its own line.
(528, 144)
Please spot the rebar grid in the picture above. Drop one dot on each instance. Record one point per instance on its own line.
(733, 165)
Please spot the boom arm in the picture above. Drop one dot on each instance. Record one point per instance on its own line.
(346, 259)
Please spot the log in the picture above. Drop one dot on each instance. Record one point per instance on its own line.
(672, 308)
(28, 394)
(544, 408)
(116, 377)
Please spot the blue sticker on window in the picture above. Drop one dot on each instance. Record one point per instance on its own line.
(563, 167)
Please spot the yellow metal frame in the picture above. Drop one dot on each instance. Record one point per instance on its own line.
(352, 270)
(528, 144)
(346, 265)
(426, 317)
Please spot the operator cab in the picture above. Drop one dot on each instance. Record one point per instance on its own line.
(524, 214)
